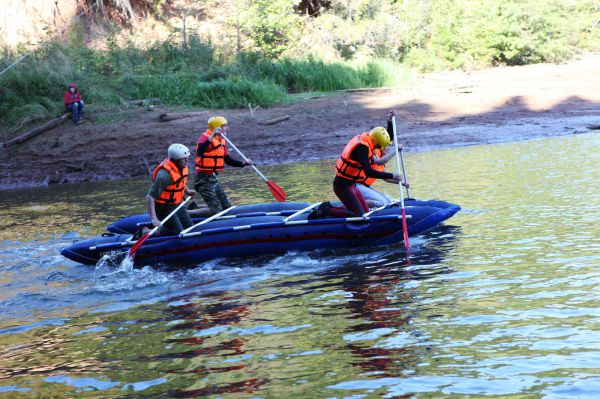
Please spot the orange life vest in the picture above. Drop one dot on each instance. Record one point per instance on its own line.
(213, 159)
(348, 168)
(370, 180)
(173, 193)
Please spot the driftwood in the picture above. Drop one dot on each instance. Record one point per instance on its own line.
(275, 120)
(593, 127)
(173, 116)
(365, 89)
(79, 167)
(252, 110)
(146, 165)
(144, 102)
(38, 130)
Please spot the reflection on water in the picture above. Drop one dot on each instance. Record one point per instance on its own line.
(500, 302)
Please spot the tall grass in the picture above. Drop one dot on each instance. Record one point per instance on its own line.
(315, 75)
(179, 75)
(188, 89)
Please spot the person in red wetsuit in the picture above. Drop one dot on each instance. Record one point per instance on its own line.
(374, 197)
(354, 166)
(74, 103)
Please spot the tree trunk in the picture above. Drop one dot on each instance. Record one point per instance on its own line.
(38, 130)
(275, 120)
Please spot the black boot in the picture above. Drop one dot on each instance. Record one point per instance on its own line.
(320, 211)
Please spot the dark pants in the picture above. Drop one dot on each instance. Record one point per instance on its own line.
(209, 188)
(178, 222)
(351, 198)
(76, 110)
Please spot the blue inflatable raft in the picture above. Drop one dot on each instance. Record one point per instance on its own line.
(262, 229)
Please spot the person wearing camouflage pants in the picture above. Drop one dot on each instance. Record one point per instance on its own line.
(211, 157)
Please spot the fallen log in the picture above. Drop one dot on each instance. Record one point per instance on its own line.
(365, 89)
(78, 167)
(38, 130)
(173, 116)
(275, 120)
(146, 101)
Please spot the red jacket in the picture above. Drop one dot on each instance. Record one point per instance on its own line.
(71, 98)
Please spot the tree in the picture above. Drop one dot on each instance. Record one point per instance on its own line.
(313, 7)
(274, 26)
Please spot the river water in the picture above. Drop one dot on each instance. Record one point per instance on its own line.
(501, 301)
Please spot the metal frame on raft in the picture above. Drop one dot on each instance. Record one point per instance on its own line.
(289, 214)
(238, 216)
(285, 222)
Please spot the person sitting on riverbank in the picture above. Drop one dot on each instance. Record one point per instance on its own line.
(74, 103)
(373, 197)
(354, 166)
(211, 157)
(168, 189)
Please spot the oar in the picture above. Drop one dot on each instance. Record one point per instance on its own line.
(208, 219)
(139, 242)
(404, 174)
(308, 208)
(404, 226)
(277, 191)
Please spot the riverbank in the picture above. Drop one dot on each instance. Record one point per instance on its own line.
(435, 111)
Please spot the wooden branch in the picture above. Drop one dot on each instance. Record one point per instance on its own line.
(275, 120)
(146, 165)
(38, 130)
(365, 89)
(79, 167)
(146, 101)
(174, 116)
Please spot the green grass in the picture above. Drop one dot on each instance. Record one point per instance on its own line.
(178, 76)
(198, 75)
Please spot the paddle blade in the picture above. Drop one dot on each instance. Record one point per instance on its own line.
(137, 245)
(277, 191)
(405, 230)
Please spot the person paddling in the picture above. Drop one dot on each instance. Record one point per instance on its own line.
(373, 197)
(354, 166)
(168, 190)
(211, 157)
(74, 103)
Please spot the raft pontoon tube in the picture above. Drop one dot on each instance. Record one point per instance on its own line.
(253, 235)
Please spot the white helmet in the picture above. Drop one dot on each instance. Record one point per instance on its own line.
(178, 151)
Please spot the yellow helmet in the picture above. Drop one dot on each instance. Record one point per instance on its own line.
(216, 121)
(380, 136)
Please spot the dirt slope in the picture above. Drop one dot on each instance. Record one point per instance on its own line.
(437, 110)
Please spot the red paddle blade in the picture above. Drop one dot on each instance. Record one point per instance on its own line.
(137, 245)
(405, 230)
(277, 191)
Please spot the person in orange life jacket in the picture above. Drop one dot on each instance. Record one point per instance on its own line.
(168, 190)
(211, 157)
(354, 166)
(373, 197)
(73, 103)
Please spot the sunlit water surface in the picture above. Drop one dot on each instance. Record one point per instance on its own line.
(501, 301)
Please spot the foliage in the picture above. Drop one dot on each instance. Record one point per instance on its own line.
(178, 74)
(244, 51)
(446, 34)
(273, 26)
